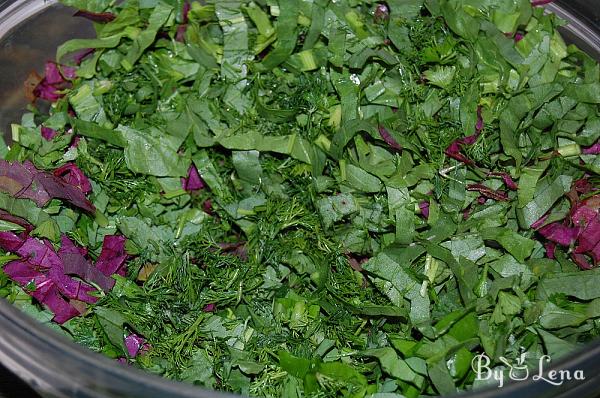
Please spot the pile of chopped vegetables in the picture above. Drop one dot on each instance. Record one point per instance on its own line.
(310, 198)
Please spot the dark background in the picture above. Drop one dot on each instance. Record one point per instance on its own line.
(38, 42)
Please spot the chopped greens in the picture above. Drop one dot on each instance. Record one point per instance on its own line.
(310, 198)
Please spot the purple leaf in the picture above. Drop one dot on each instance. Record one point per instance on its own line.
(180, 34)
(550, 249)
(54, 81)
(6, 216)
(48, 134)
(71, 174)
(539, 222)
(455, 148)
(71, 288)
(63, 311)
(68, 72)
(46, 291)
(584, 186)
(25, 181)
(75, 142)
(23, 273)
(559, 233)
(592, 150)
(467, 213)
(454, 152)
(80, 55)
(209, 307)
(518, 37)
(49, 271)
(589, 240)
(113, 256)
(507, 179)
(10, 242)
(382, 12)
(187, 6)
(99, 17)
(74, 263)
(581, 229)
(581, 261)
(479, 125)
(193, 182)
(134, 344)
(424, 206)
(52, 74)
(583, 215)
(47, 92)
(488, 192)
(387, 137)
(39, 253)
(207, 206)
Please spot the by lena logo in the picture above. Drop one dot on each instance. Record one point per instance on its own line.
(518, 370)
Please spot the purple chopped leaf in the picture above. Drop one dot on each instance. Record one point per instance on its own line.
(583, 215)
(209, 307)
(455, 148)
(479, 125)
(23, 180)
(68, 72)
(47, 92)
(23, 273)
(54, 81)
(48, 134)
(539, 222)
(57, 188)
(550, 249)
(75, 142)
(424, 206)
(589, 240)
(193, 182)
(382, 12)
(454, 152)
(581, 261)
(10, 242)
(583, 186)
(113, 256)
(6, 216)
(69, 287)
(52, 74)
(487, 192)
(592, 150)
(134, 344)
(38, 253)
(507, 179)
(187, 6)
(207, 206)
(63, 311)
(76, 264)
(71, 174)
(80, 55)
(99, 17)
(559, 233)
(387, 137)
(180, 34)
(467, 213)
